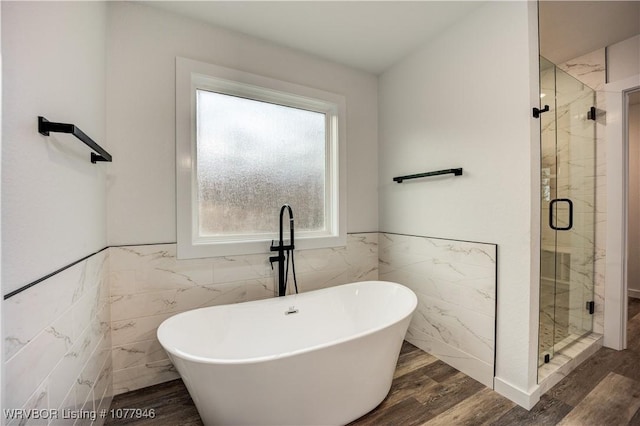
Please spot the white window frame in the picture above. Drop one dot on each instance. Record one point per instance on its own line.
(192, 75)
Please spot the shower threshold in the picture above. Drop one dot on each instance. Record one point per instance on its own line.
(567, 358)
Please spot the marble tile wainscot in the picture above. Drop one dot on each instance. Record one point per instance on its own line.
(148, 284)
(455, 282)
(58, 355)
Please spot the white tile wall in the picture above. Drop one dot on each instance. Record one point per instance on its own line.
(148, 285)
(57, 343)
(455, 282)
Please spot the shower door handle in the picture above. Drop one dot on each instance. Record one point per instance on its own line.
(561, 228)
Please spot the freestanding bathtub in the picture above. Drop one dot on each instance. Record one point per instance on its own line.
(325, 357)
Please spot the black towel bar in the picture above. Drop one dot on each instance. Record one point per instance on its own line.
(456, 172)
(45, 126)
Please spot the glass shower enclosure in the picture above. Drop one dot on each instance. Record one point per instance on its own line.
(568, 210)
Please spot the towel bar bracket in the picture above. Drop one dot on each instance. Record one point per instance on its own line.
(95, 158)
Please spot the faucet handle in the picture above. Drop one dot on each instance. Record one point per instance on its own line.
(273, 258)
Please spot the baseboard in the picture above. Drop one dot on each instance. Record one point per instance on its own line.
(524, 399)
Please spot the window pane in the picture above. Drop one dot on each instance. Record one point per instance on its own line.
(254, 156)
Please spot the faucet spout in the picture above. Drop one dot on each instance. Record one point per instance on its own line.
(281, 248)
(282, 210)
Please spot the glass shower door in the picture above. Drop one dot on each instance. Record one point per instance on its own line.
(568, 210)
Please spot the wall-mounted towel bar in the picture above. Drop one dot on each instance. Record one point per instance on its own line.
(45, 126)
(457, 172)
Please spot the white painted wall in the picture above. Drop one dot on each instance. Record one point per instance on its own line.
(633, 241)
(53, 198)
(464, 100)
(623, 59)
(142, 45)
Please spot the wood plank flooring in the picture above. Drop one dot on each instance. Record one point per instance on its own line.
(603, 390)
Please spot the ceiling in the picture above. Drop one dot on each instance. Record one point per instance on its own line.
(569, 29)
(373, 35)
(367, 35)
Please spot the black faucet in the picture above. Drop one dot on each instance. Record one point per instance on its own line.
(281, 248)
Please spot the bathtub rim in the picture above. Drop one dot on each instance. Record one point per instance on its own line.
(261, 359)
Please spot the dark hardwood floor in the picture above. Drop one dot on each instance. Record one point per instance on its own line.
(604, 391)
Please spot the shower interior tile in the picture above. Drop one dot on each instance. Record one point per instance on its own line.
(589, 68)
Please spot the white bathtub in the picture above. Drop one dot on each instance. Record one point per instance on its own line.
(329, 363)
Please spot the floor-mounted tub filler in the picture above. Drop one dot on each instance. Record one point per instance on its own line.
(324, 357)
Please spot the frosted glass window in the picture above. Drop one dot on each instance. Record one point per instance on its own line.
(247, 144)
(253, 157)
